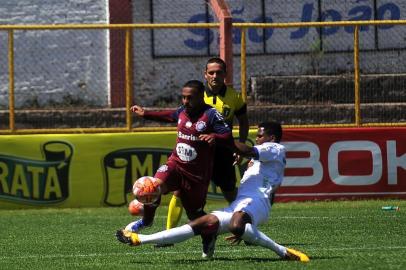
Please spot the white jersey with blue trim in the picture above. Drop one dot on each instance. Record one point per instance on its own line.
(266, 171)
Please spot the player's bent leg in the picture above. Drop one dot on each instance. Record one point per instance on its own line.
(207, 226)
(254, 236)
(209, 244)
(194, 202)
(174, 212)
(147, 219)
(238, 222)
(237, 225)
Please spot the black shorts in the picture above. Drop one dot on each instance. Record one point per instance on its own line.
(223, 169)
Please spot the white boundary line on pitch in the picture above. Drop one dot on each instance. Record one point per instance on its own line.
(326, 217)
(234, 250)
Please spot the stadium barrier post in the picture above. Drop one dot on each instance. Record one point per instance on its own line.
(356, 78)
(128, 72)
(243, 65)
(11, 80)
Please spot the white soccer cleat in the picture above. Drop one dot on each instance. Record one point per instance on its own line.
(209, 245)
(136, 226)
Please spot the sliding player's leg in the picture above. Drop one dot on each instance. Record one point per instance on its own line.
(193, 197)
(175, 210)
(198, 226)
(256, 237)
(243, 225)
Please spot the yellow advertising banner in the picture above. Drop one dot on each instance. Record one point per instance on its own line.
(80, 170)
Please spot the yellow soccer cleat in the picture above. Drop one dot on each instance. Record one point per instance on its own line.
(127, 237)
(295, 255)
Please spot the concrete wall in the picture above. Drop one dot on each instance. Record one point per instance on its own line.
(55, 67)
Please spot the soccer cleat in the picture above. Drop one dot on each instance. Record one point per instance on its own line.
(127, 237)
(209, 243)
(295, 255)
(136, 226)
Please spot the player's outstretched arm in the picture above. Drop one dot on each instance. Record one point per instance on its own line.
(244, 150)
(243, 127)
(169, 116)
(138, 110)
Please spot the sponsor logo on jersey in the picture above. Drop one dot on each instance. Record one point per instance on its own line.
(187, 137)
(186, 152)
(200, 126)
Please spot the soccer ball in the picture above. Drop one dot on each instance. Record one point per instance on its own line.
(136, 208)
(147, 190)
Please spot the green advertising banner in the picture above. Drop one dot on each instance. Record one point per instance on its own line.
(80, 170)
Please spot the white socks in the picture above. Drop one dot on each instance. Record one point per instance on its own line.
(175, 235)
(182, 233)
(254, 236)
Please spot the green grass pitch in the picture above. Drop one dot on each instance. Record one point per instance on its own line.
(336, 235)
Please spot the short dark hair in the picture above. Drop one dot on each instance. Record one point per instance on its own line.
(272, 128)
(219, 61)
(195, 84)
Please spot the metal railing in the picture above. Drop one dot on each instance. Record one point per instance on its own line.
(128, 71)
(128, 66)
(357, 25)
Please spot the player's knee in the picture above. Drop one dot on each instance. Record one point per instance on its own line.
(205, 225)
(237, 223)
(236, 228)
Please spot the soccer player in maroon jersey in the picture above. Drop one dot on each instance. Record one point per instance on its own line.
(230, 104)
(189, 168)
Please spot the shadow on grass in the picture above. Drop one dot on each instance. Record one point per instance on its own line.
(296, 244)
(200, 260)
(233, 259)
(249, 259)
(316, 258)
(243, 260)
(266, 259)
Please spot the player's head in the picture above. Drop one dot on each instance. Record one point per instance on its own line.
(269, 132)
(193, 95)
(215, 73)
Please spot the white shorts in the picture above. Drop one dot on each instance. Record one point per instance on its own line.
(257, 209)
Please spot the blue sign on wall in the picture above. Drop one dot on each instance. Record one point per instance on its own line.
(178, 42)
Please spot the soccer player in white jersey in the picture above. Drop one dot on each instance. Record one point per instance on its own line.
(251, 207)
